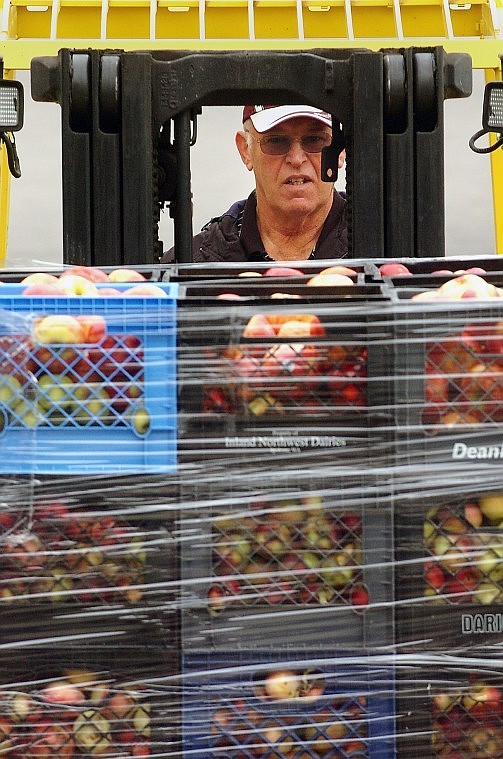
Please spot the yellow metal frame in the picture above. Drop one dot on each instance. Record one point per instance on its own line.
(31, 28)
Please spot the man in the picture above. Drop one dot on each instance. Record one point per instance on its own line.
(292, 215)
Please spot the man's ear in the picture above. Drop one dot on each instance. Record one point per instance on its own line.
(342, 158)
(244, 149)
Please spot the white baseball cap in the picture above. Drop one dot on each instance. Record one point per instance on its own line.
(264, 117)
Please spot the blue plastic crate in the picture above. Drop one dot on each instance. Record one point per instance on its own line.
(88, 407)
(345, 707)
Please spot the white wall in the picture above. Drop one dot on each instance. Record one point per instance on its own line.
(219, 178)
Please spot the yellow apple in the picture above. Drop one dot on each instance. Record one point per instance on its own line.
(491, 505)
(39, 278)
(75, 285)
(58, 329)
(126, 275)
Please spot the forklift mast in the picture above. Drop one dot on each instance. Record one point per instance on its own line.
(129, 119)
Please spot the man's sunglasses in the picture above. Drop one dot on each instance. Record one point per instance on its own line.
(280, 144)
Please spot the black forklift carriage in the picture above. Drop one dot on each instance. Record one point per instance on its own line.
(129, 120)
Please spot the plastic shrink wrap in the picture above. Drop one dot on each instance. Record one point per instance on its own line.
(254, 517)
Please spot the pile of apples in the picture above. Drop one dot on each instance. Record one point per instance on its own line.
(70, 372)
(306, 723)
(294, 552)
(285, 362)
(465, 286)
(469, 723)
(464, 376)
(464, 544)
(82, 281)
(60, 556)
(81, 713)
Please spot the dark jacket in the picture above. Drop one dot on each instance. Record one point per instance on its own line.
(234, 236)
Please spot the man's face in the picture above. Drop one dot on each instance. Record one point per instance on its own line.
(291, 183)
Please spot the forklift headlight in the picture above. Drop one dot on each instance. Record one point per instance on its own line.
(11, 105)
(492, 112)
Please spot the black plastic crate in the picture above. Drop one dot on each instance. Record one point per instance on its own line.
(448, 380)
(83, 554)
(449, 562)
(304, 553)
(90, 700)
(324, 357)
(433, 271)
(333, 708)
(238, 273)
(450, 709)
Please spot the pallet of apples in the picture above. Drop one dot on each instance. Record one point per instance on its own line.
(449, 563)
(80, 557)
(302, 705)
(262, 351)
(87, 375)
(448, 359)
(90, 704)
(451, 710)
(307, 554)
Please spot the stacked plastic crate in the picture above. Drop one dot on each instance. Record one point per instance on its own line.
(285, 529)
(449, 509)
(88, 410)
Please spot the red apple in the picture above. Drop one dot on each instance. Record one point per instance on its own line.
(259, 326)
(484, 701)
(42, 291)
(94, 327)
(92, 273)
(394, 270)
(283, 271)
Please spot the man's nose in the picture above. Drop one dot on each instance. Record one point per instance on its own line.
(296, 152)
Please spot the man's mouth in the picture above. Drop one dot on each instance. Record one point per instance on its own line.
(297, 180)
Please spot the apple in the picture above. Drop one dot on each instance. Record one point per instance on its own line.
(42, 291)
(484, 741)
(10, 389)
(125, 275)
(141, 421)
(91, 273)
(145, 290)
(92, 734)
(57, 328)
(62, 692)
(49, 740)
(324, 735)
(283, 271)
(108, 292)
(473, 514)
(394, 270)
(93, 405)
(229, 296)
(330, 280)
(56, 390)
(281, 685)
(94, 327)
(39, 278)
(75, 285)
(259, 326)
(300, 326)
(468, 286)
(491, 506)
(339, 269)
(483, 701)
